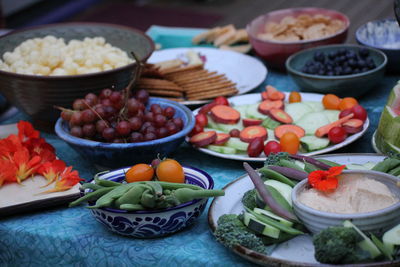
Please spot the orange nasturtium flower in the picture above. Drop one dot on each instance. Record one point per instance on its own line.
(325, 180)
(26, 166)
(7, 172)
(51, 170)
(67, 180)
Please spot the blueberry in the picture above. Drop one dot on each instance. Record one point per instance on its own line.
(363, 52)
(352, 63)
(342, 51)
(356, 70)
(304, 69)
(321, 72)
(309, 63)
(330, 73)
(365, 69)
(351, 54)
(319, 56)
(332, 55)
(347, 70)
(361, 63)
(312, 70)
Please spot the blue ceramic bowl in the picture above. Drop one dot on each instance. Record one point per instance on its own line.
(384, 35)
(111, 155)
(344, 85)
(154, 223)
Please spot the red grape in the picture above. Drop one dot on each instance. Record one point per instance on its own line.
(150, 129)
(123, 128)
(142, 96)
(133, 106)
(221, 100)
(91, 98)
(359, 112)
(201, 119)
(100, 126)
(105, 93)
(169, 112)
(109, 111)
(115, 96)
(100, 110)
(162, 132)
(79, 104)
(89, 130)
(255, 147)
(118, 140)
(66, 114)
(337, 135)
(108, 133)
(76, 118)
(171, 127)
(197, 129)
(156, 109)
(149, 116)
(149, 136)
(88, 116)
(159, 120)
(135, 123)
(106, 102)
(234, 133)
(136, 137)
(178, 122)
(76, 131)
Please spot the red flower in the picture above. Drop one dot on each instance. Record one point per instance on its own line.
(325, 180)
(7, 172)
(51, 170)
(26, 131)
(67, 180)
(26, 166)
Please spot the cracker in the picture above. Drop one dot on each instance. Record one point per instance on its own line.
(163, 92)
(245, 48)
(208, 87)
(180, 69)
(168, 64)
(228, 36)
(208, 95)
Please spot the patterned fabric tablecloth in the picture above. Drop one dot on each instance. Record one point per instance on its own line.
(70, 236)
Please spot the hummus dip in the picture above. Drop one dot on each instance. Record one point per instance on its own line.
(355, 194)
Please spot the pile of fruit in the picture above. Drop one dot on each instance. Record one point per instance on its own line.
(274, 125)
(118, 117)
(341, 62)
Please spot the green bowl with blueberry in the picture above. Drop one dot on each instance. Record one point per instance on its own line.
(344, 70)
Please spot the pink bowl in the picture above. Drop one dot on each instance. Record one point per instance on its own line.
(275, 53)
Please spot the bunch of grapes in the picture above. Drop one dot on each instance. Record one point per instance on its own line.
(109, 117)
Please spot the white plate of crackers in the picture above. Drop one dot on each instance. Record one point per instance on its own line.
(195, 76)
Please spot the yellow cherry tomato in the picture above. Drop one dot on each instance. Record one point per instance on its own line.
(169, 170)
(139, 172)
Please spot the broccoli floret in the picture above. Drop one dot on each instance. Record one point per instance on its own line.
(232, 232)
(249, 199)
(338, 245)
(274, 158)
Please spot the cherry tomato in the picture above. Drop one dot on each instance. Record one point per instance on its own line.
(169, 170)
(272, 147)
(201, 119)
(337, 135)
(347, 102)
(345, 112)
(331, 101)
(359, 112)
(196, 129)
(139, 172)
(221, 100)
(290, 142)
(294, 97)
(255, 147)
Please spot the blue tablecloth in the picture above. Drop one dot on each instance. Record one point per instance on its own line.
(70, 236)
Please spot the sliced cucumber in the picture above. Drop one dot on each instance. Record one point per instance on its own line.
(391, 237)
(331, 114)
(369, 165)
(277, 196)
(365, 244)
(312, 121)
(242, 110)
(284, 189)
(212, 123)
(300, 164)
(270, 123)
(297, 110)
(312, 143)
(222, 149)
(273, 216)
(271, 222)
(315, 106)
(236, 143)
(259, 227)
(253, 113)
(227, 127)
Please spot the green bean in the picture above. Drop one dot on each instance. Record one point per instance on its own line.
(167, 192)
(308, 167)
(289, 164)
(132, 196)
(91, 186)
(157, 188)
(386, 165)
(108, 199)
(91, 196)
(131, 207)
(173, 186)
(330, 163)
(186, 194)
(106, 183)
(271, 174)
(395, 171)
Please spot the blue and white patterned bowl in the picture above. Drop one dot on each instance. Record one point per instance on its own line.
(154, 223)
(111, 155)
(384, 35)
(376, 222)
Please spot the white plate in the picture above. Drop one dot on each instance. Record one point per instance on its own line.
(17, 198)
(298, 251)
(254, 98)
(246, 71)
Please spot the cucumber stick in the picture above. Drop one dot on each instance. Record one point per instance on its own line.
(365, 244)
(387, 251)
(222, 149)
(276, 224)
(273, 216)
(391, 238)
(236, 143)
(312, 143)
(259, 227)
